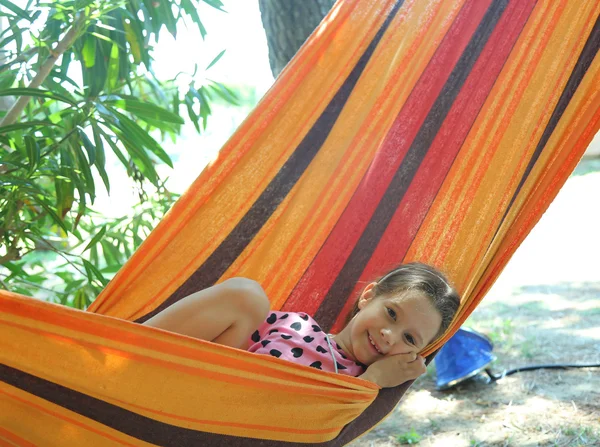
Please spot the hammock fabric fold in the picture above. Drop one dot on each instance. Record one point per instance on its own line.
(437, 131)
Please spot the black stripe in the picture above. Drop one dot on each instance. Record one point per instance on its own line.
(586, 57)
(122, 420)
(220, 260)
(363, 250)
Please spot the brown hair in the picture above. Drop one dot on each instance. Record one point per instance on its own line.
(424, 278)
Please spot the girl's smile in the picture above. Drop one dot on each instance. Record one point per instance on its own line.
(375, 345)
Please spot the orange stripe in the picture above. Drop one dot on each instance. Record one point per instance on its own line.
(14, 439)
(190, 202)
(5, 443)
(67, 419)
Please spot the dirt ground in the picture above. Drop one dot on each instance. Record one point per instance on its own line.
(545, 308)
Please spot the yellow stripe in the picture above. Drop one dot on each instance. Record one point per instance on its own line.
(41, 423)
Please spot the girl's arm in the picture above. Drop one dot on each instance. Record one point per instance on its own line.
(226, 313)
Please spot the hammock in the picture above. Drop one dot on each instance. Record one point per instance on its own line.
(436, 131)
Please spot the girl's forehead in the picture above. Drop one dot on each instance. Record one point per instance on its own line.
(407, 295)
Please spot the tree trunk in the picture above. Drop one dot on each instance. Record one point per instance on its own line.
(287, 24)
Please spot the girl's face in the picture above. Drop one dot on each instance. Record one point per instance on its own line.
(389, 325)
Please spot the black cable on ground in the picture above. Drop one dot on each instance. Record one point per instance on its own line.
(495, 377)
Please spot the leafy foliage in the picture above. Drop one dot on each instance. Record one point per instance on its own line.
(411, 437)
(84, 85)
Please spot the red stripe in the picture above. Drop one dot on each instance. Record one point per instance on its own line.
(412, 210)
(314, 285)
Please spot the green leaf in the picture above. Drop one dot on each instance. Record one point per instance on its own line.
(113, 67)
(217, 4)
(114, 147)
(111, 253)
(15, 268)
(131, 129)
(191, 113)
(95, 239)
(166, 13)
(9, 180)
(72, 284)
(7, 79)
(100, 156)
(37, 93)
(111, 268)
(79, 301)
(93, 271)
(101, 36)
(25, 125)
(89, 51)
(141, 159)
(51, 213)
(225, 93)
(192, 11)
(14, 8)
(216, 59)
(33, 152)
(137, 153)
(134, 42)
(84, 166)
(89, 147)
(65, 194)
(146, 110)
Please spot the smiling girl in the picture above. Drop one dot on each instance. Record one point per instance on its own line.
(393, 319)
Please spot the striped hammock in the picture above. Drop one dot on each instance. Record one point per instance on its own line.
(435, 130)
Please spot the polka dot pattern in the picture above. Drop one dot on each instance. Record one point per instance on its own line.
(298, 338)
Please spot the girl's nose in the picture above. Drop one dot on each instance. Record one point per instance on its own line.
(387, 336)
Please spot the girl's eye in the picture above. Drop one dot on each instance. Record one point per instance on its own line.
(410, 339)
(391, 313)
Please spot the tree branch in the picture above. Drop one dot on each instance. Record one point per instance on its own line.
(67, 41)
(12, 254)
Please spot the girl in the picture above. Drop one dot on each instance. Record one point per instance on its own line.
(393, 320)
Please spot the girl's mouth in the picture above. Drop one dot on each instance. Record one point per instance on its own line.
(374, 345)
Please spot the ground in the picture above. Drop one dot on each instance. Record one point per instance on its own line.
(545, 308)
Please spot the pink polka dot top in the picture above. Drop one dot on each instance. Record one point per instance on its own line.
(298, 338)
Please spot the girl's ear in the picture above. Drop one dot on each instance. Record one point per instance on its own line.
(367, 295)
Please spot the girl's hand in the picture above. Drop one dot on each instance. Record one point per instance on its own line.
(395, 369)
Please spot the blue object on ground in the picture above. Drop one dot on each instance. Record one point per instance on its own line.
(463, 356)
